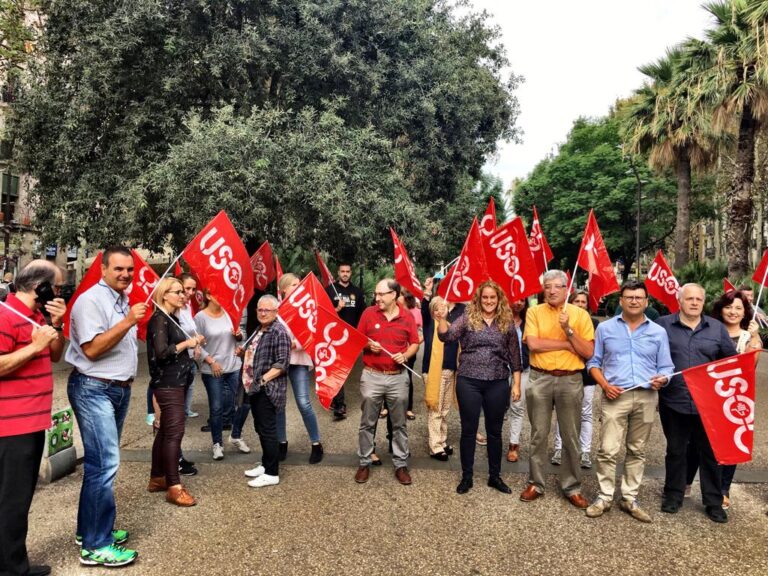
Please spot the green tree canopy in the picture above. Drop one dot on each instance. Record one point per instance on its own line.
(412, 95)
(590, 171)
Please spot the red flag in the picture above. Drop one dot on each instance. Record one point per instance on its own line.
(510, 261)
(761, 273)
(593, 257)
(570, 284)
(92, 277)
(333, 344)
(336, 349)
(540, 249)
(662, 284)
(325, 274)
(144, 281)
(177, 271)
(469, 272)
(405, 274)
(727, 286)
(263, 267)
(724, 393)
(488, 222)
(221, 262)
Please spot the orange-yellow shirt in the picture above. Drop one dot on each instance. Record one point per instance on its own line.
(542, 322)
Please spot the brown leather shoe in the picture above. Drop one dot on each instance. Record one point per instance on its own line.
(178, 495)
(361, 476)
(512, 454)
(402, 476)
(579, 501)
(157, 484)
(530, 494)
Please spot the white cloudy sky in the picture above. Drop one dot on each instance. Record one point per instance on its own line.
(578, 57)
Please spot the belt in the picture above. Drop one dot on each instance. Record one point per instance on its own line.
(387, 372)
(556, 372)
(118, 383)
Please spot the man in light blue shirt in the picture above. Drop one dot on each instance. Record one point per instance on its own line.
(631, 362)
(102, 352)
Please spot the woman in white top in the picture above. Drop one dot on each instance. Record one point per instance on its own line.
(220, 368)
(298, 373)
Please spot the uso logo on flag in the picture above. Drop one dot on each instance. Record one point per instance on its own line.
(232, 272)
(737, 408)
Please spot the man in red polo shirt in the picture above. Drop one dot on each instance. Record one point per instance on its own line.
(26, 394)
(392, 340)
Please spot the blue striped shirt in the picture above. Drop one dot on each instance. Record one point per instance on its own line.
(629, 358)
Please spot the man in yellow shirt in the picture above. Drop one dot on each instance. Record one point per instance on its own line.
(560, 338)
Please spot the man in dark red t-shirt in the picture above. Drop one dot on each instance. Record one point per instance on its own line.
(26, 394)
(392, 341)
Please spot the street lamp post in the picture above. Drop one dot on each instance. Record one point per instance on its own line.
(639, 213)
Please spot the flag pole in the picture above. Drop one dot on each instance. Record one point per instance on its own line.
(453, 275)
(760, 293)
(449, 264)
(573, 279)
(544, 255)
(149, 297)
(642, 384)
(20, 315)
(419, 376)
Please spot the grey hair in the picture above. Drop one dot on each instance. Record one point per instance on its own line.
(690, 284)
(34, 274)
(268, 298)
(554, 274)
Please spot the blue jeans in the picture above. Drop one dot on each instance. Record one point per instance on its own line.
(221, 404)
(190, 389)
(100, 410)
(299, 376)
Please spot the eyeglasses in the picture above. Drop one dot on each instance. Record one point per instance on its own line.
(265, 310)
(382, 294)
(633, 298)
(177, 292)
(551, 287)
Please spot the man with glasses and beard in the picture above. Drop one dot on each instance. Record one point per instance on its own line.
(392, 341)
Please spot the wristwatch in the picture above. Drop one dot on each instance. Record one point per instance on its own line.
(569, 331)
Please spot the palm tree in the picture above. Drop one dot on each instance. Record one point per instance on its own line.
(659, 120)
(728, 74)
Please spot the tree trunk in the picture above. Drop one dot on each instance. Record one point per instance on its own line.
(740, 201)
(683, 221)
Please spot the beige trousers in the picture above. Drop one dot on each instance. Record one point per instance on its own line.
(437, 420)
(632, 414)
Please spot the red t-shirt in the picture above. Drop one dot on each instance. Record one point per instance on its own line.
(394, 335)
(26, 395)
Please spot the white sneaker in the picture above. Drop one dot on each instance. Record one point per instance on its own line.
(264, 480)
(240, 444)
(255, 472)
(218, 452)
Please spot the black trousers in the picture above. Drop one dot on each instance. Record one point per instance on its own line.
(265, 424)
(19, 466)
(680, 430)
(492, 397)
(728, 470)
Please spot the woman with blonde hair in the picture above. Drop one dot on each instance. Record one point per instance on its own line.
(171, 372)
(298, 373)
(490, 351)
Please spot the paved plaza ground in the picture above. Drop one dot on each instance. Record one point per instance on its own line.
(317, 521)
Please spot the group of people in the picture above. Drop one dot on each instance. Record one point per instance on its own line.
(496, 357)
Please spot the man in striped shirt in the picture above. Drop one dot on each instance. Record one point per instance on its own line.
(26, 393)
